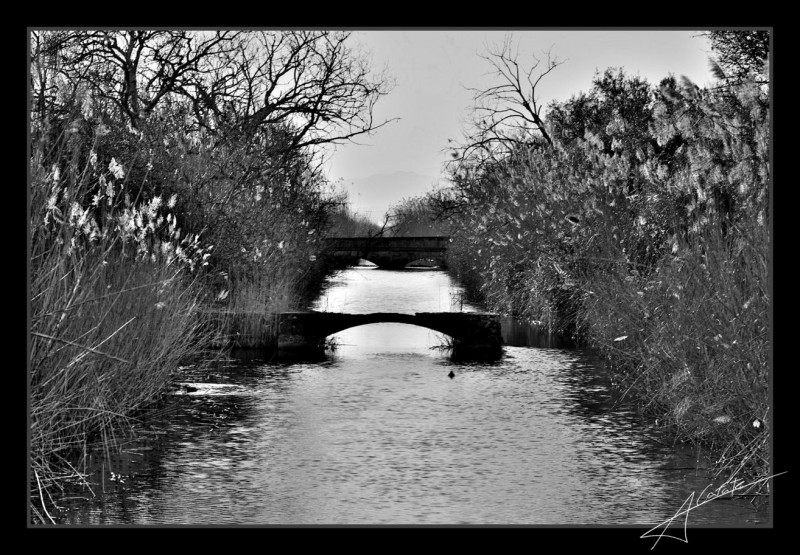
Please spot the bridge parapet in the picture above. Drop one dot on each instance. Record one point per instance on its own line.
(387, 252)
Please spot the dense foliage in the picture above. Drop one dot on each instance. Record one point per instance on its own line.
(170, 171)
(741, 55)
(643, 231)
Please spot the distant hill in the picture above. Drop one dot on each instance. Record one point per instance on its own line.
(374, 194)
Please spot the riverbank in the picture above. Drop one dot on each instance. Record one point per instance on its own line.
(688, 347)
(82, 396)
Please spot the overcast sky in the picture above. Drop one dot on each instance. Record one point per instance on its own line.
(434, 68)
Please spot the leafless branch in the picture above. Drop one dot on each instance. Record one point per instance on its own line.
(506, 115)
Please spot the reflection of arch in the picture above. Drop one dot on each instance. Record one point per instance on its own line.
(431, 262)
(475, 333)
(335, 325)
(376, 337)
(397, 263)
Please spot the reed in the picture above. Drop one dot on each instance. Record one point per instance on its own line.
(657, 260)
(113, 302)
(690, 343)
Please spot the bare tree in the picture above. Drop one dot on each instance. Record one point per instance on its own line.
(44, 50)
(508, 114)
(309, 87)
(136, 69)
(309, 83)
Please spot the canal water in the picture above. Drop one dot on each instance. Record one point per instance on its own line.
(378, 433)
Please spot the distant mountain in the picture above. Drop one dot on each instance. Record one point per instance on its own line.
(374, 194)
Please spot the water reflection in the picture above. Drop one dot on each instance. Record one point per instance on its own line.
(367, 289)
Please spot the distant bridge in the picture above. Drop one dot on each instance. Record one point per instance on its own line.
(387, 252)
(475, 335)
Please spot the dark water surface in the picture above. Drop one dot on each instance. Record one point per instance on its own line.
(379, 434)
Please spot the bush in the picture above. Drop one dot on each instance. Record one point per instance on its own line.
(114, 293)
(691, 343)
(644, 236)
(142, 142)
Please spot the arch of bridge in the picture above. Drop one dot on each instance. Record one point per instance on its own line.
(475, 328)
(334, 323)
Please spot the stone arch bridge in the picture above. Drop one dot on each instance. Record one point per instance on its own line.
(475, 335)
(387, 252)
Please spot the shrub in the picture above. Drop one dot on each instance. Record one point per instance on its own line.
(113, 296)
(646, 240)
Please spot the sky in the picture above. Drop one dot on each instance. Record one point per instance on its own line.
(433, 70)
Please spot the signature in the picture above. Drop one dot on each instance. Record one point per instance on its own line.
(731, 485)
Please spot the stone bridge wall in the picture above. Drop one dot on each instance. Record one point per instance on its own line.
(474, 334)
(387, 252)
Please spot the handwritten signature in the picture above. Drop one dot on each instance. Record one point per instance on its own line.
(731, 485)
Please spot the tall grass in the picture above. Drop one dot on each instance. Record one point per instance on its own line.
(692, 341)
(658, 259)
(113, 312)
(119, 293)
(246, 318)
